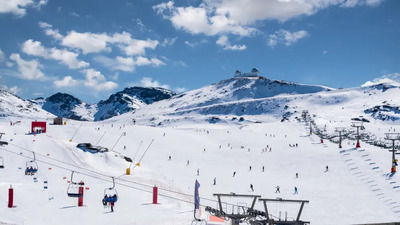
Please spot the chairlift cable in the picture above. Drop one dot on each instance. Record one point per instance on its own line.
(101, 174)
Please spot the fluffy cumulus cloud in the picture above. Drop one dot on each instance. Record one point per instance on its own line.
(13, 90)
(225, 43)
(127, 64)
(286, 37)
(393, 78)
(18, 7)
(97, 81)
(67, 81)
(29, 70)
(64, 56)
(93, 43)
(49, 31)
(218, 17)
(149, 82)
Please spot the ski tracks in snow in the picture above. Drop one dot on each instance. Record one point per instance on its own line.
(385, 186)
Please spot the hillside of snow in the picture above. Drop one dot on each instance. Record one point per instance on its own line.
(356, 177)
(14, 106)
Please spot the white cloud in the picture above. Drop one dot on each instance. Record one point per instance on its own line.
(225, 43)
(29, 70)
(49, 31)
(393, 78)
(64, 56)
(286, 37)
(324, 52)
(94, 43)
(97, 81)
(201, 20)
(87, 42)
(67, 81)
(353, 3)
(168, 41)
(221, 17)
(13, 90)
(18, 7)
(74, 14)
(127, 64)
(2, 56)
(149, 82)
(195, 44)
(180, 90)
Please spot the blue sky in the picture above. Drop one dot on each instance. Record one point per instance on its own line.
(93, 48)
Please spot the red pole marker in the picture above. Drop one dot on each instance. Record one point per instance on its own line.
(155, 193)
(10, 197)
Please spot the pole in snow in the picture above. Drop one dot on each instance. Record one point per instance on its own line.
(10, 197)
(155, 193)
(80, 199)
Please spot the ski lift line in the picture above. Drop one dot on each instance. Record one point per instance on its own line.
(146, 151)
(101, 138)
(123, 134)
(101, 174)
(137, 150)
(76, 132)
(103, 179)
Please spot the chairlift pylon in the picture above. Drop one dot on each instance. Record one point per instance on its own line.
(31, 166)
(110, 194)
(73, 188)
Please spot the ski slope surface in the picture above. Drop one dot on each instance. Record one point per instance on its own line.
(356, 188)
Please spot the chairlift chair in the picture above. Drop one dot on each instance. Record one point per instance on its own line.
(73, 188)
(1, 162)
(110, 194)
(31, 166)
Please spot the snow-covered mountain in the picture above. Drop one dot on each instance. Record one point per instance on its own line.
(67, 106)
(13, 106)
(130, 99)
(235, 96)
(260, 96)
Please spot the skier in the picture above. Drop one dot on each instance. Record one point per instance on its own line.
(263, 168)
(326, 169)
(234, 173)
(215, 181)
(187, 164)
(297, 175)
(277, 189)
(251, 187)
(198, 172)
(124, 147)
(249, 168)
(295, 190)
(169, 158)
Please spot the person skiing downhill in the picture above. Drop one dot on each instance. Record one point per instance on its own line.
(215, 181)
(234, 173)
(297, 175)
(295, 190)
(277, 189)
(326, 169)
(251, 187)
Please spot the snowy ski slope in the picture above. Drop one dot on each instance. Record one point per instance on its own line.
(356, 189)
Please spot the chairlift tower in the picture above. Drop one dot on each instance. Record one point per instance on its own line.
(393, 137)
(271, 221)
(340, 130)
(358, 125)
(235, 217)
